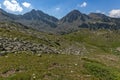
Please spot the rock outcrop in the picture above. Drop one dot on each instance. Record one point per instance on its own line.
(8, 45)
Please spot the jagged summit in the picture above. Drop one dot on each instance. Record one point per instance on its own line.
(77, 12)
(73, 16)
(38, 15)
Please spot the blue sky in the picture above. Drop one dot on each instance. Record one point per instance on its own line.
(60, 8)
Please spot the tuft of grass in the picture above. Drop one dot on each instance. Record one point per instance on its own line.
(101, 71)
(18, 76)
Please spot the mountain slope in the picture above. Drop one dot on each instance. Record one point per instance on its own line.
(76, 20)
(38, 15)
(99, 16)
(73, 21)
(26, 54)
(35, 19)
(15, 37)
(38, 20)
(74, 16)
(4, 16)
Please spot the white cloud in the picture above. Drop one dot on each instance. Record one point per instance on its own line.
(57, 9)
(84, 4)
(26, 4)
(98, 11)
(0, 5)
(12, 5)
(115, 13)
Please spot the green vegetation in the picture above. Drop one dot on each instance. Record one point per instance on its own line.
(105, 40)
(13, 31)
(48, 67)
(26, 66)
(84, 55)
(101, 71)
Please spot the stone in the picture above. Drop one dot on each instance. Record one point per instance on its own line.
(39, 55)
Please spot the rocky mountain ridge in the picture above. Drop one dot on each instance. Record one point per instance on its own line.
(73, 21)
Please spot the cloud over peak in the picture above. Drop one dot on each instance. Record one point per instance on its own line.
(115, 13)
(0, 5)
(26, 4)
(57, 8)
(12, 5)
(84, 4)
(15, 5)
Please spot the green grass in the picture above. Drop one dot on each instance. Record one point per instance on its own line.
(53, 67)
(16, 31)
(101, 71)
(26, 66)
(102, 39)
(99, 59)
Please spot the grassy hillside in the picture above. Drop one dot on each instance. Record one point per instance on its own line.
(82, 55)
(105, 40)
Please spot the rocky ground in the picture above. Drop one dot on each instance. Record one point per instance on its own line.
(8, 45)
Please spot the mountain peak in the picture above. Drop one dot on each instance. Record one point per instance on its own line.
(33, 10)
(34, 14)
(73, 16)
(38, 15)
(75, 11)
(36, 11)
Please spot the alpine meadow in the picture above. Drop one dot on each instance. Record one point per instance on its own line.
(59, 40)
